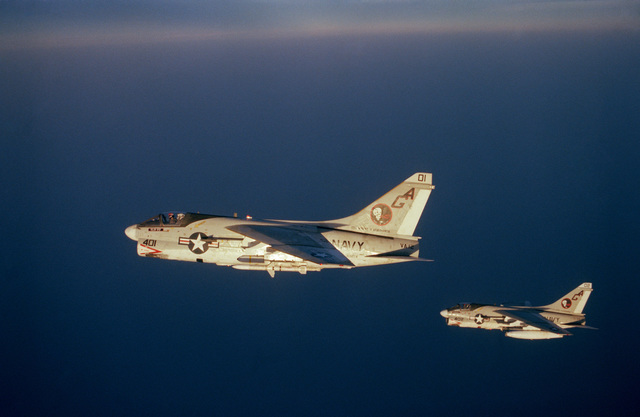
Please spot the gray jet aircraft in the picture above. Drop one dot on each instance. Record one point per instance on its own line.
(381, 233)
(544, 322)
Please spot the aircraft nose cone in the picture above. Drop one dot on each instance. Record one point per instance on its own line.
(444, 313)
(132, 232)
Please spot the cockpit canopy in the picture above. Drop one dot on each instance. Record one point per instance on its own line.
(467, 306)
(175, 218)
(168, 218)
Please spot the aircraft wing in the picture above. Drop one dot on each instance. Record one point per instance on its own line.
(308, 245)
(534, 319)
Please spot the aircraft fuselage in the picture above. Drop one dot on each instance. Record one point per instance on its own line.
(207, 239)
(523, 322)
(380, 233)
(486, 317)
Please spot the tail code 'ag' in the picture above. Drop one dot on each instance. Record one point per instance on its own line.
(395, 213)
(574, 301)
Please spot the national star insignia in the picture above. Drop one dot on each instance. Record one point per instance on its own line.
(198, 243)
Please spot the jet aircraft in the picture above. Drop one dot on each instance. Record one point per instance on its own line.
(381, 233)
(544, 322)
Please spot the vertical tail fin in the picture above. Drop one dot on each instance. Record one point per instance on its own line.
(395, 213)
(574, 301)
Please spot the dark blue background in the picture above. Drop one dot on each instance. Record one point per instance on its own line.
(533, 142)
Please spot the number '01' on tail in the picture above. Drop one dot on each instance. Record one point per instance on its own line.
(574, 301)
(396, 212)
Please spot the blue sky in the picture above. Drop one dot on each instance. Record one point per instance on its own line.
(110, 114)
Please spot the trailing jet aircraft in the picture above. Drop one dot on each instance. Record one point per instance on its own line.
(544, 322)
(381, 233)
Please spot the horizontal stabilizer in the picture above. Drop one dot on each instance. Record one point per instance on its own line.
(580, 326)
(403, 258)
